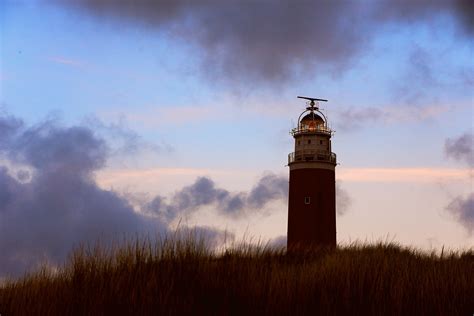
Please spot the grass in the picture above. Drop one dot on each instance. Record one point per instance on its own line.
(183, 276)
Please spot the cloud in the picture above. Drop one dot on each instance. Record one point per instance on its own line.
(237, 38)
(9, 126)
(203, 192)
(273, 41)
(343, 200)
(465, 10)
(467, 77)
(44, 214)
(423, 68)
(463, 211)
(405, 175)
(268, 188)
(461, 148)
(406, 11)
(418, 75)
(354, 118)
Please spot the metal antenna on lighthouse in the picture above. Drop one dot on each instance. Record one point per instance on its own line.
(312, 104)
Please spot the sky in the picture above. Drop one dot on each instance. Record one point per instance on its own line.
(123, 118)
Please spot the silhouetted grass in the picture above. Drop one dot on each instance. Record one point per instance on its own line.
(184, 276)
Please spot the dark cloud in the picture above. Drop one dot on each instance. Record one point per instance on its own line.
(10, 188)
(23, 175)
(9, 126)
(73, 151)
(263, 40)
(343, 199)
(465, 10)
(203, 192)
(461, 148)
(426, 77)
(272, 41)
(268, 188)
(42, 216)
(463, 210)
(406, 11)
(417, 75)
(467, 77)
(357, 117)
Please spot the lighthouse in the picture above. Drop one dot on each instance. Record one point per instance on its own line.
(312, 189)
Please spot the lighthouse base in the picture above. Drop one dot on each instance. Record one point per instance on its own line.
(311, 207)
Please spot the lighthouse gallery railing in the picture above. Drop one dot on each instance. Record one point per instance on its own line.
(311, 155)
(302, 129)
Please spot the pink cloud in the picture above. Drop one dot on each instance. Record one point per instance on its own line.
(414, 175)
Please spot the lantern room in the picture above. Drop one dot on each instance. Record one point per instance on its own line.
(312, 136)
(312, 120)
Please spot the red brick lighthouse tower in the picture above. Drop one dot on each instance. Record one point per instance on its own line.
(312, 193)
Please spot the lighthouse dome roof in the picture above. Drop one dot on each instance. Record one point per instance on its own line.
(312, 116)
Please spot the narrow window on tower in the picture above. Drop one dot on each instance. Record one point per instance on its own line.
(309, 141)
(320, 142)
(299, 142)
(307, 200)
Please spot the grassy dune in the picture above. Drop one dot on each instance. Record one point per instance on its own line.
(185, 277)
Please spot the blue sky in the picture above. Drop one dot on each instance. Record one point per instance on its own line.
(201, 107)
